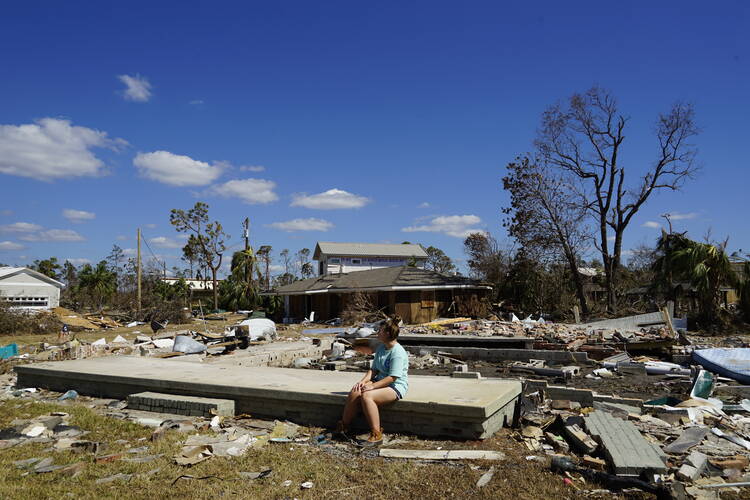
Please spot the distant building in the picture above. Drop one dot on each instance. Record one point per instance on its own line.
(25, 288)
(334, 258)
(200, 289)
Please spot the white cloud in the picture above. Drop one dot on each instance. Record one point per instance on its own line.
(164, 242)
(121, 237)
(6, 212)
(130, 252)
(250, 191)
(137, 88)
(20, 227)
(52, 148)
(150, 226)
(8, 246)
(78, 216)
(679, 216)
(459, 226)
(651, 224)
(330, 200)
(53, 235)
(424, 205)
(196, 102)
(310, 224)
(252, 168)
(78, 261)
(175, 170)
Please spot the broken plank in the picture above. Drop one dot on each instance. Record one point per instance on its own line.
(689, 438)
(442, 454)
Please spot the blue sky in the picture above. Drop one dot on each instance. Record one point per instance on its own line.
(382, 122)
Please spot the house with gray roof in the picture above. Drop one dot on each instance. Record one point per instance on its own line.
(414, 293)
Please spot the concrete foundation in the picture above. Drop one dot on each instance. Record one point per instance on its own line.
(494, 355)
(434, 406)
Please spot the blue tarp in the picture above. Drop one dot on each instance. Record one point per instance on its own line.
(729, 362)
(8, 351)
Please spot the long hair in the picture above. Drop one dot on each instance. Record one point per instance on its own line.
(390, 326)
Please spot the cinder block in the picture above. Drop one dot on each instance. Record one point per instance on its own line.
(467, 375)
(183, 405)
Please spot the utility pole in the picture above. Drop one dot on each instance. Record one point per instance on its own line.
(246, 228)
(138, 273)
(248, 262)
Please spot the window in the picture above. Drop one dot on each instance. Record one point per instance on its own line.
(356, 261)
(28, 301)
(334, 260)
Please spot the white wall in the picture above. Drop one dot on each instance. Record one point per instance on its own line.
(27, 292)
(343, 264)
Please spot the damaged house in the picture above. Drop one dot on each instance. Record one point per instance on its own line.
(415, 294)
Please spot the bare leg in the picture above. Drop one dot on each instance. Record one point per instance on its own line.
(352, 407)
(370, 402)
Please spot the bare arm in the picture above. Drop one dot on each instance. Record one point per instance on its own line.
(384, 382)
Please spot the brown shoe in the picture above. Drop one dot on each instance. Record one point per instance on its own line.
(341, 429)
(375, 438)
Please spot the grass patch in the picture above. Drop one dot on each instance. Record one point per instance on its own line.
(335, 474)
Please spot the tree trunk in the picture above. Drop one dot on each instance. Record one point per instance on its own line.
(216, 289)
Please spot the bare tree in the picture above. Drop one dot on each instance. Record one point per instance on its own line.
(205, 237)
(264, 252)
(546, 218)
(287, 260)
(585, 138)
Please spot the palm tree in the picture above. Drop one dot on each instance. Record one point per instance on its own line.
(704, 265)
(100, 282)
(239, 290)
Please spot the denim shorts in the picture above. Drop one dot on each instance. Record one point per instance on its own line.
(398, 394)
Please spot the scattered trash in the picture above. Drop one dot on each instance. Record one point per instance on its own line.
(486, 477)
(116, 477)
(191, 455)
(256, 475)
(71, 394)
(9, 351)
(306, 485)
(185, 344)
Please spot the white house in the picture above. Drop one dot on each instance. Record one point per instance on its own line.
(27, 289)
(348, 257)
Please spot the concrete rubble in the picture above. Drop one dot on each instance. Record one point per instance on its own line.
(619, 404)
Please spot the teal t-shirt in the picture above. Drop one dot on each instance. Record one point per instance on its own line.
(392, 362)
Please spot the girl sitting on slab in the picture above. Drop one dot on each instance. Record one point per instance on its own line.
(384, 383)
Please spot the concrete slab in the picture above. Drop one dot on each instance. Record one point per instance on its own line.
(628, 453)
(434, 406)
(280, 354)
(466, 341)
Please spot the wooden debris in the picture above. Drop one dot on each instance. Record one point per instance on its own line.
(442, 454)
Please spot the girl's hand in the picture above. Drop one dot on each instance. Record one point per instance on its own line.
(367, 386)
